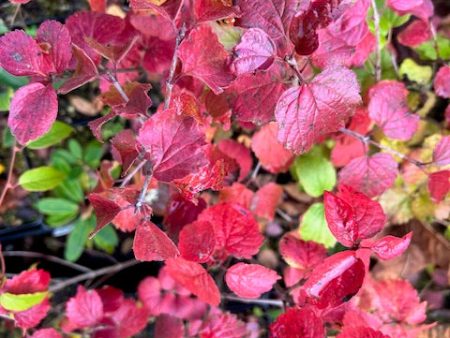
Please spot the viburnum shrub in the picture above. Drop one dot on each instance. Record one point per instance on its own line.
(287, 82)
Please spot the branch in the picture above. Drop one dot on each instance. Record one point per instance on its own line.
(270, 302)
(376, 19)
(367, 140)
(54, 259)
(173, 66)
(14, 151)
(93, 274)
(117, 85)
(128, 178)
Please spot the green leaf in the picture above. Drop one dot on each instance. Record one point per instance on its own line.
(56, 206)
(12, 302)
(77, 239)
(414, 72)
(315, 173)
(5, 99)
(59, 220)
(11, 80)
(427, 50)
(41, 179)
(7, 138)
(314, 227)
(55, 135)
(70, 190)
(93, 154)
(75, 149)
(107, 239)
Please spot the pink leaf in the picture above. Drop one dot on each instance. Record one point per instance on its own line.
(20, 55)
(173, 145)
(352, 216)
(269, 151)
(149, 291)
(439, 184)
(167, 326)
(307, 113)
(388, 108)
(255, 51)
(33, 110)
(85, 309)
(390, 247)
(250, 280)
(236, 231)
(372, 175)
(339, 276)
(361, 332)
(32, 317)
(423, 9)
(266, 200)
(296, 323)
(152, 244)
(129, 319)
(441, 82)
(28, 281)
(441, 153)
(204, 57)
(46, 333)
(55, 40)
(197, 241)
(195, 278)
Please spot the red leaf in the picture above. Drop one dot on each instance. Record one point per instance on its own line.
(173, 145)
(439, 184)
(111, 297)
(85, 71)
(85, 309)
(347, 147)
(54, 39)
(339, 276)
(372, 175)
(388, 108)
(266, 200)
(29, 281)
(130, 319)
(416, 33)
(138, 100)
(239, 153)
(250, 280)
(236, 231)
(33, 110)
(195, 278)
(223, 325)
(254, 96)
(307, 113)
(271, 153)
(20, 55)
(212, 10)
(237, 193)
(301, 254)
(352, 216)
(205, 58)
(105, 210)
(271, 16)
(46, 333)
(441, 82)
(152, 244)
(168, 327)
(361, 332)
(197, 241)
(32, 317)
(98, 5)
(123, 148)
(441, 153)
(255, 51)
(390, 247)
(296, 323)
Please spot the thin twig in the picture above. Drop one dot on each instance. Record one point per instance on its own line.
(2, 266)
(367, 140)
(93, 274)
(117, 85)
(132, 173)
(173, 67)
(270, 302)
(141, 199)
(54, 259)
(376, 20)
(14, 151)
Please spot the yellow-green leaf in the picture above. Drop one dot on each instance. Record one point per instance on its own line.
(12, 302)
(41, 179)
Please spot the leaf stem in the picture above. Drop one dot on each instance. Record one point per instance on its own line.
(93, 274)
(270, 302)
(117, 85)
(376, 20)
(173, 66)
(128, 178)
(8, 185)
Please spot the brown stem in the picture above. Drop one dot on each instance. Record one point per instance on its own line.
(376, 20)
(8, 185)
(173, 67)
(93, 274)
(54, 259)
(271, 302)
(367, 140)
